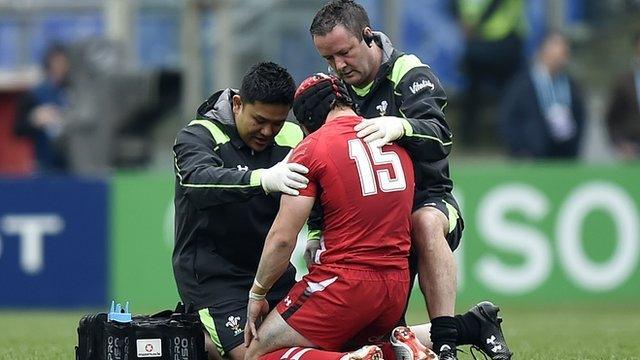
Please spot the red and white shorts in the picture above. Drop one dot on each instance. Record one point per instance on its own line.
(335, 306)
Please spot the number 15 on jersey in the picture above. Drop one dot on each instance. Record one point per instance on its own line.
(368, 173)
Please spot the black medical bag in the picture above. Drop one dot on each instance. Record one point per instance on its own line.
(167, 335)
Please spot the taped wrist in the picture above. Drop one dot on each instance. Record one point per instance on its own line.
(256, 297)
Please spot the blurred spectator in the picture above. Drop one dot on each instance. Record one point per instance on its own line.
(542, 111)
(41, 112)
(493, 31)
(623, 117)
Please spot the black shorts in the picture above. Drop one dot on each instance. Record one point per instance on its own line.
(225, 322)
(450, 208)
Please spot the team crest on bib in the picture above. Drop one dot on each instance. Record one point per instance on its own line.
(234, 325)
(382, 108)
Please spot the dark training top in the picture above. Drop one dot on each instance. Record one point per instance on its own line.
(222, 213)
(407, 88)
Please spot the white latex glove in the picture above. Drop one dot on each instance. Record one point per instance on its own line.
(284, 177)
(380, 130)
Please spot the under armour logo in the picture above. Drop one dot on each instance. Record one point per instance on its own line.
(492, 341)
(287, 301)
(242, 168)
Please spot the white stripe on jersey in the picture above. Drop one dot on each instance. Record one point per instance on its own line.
(289, 352)
(300, 353)
(320, 286)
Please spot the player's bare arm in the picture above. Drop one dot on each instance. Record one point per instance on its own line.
(278, 247)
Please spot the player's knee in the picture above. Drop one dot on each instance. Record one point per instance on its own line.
(212, 350)
(255, 351)
(250, 354)
(429, 226)
(237, 353)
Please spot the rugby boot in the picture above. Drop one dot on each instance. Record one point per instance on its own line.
(492, 341)
(447, 353)
(368, 352)
(407, 347)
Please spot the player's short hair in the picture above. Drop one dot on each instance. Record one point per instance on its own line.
(340, 12)
(268, 83)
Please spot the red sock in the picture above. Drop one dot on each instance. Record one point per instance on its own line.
(387, 351)
(300, 353)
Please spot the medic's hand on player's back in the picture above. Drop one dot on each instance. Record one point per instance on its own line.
(380, 130)
(310, 252)
(256, 311)
(284, 177)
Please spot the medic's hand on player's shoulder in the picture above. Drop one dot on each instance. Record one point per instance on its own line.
(380, 131)
(310, 252)
(284, 177)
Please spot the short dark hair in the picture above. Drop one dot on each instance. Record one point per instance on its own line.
(340, 12)
(267, 83)
(554, 33)
(343, 102)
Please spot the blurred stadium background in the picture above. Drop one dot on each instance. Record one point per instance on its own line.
(555, 243)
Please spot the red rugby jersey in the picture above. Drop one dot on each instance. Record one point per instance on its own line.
(366, 195)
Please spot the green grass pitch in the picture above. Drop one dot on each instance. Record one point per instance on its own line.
(549, 332)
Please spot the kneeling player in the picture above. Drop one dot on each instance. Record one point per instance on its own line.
(356, 294)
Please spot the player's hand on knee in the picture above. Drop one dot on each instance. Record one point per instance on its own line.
(256, 309)
(284, 177)
(380, 130)
(310, 252)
